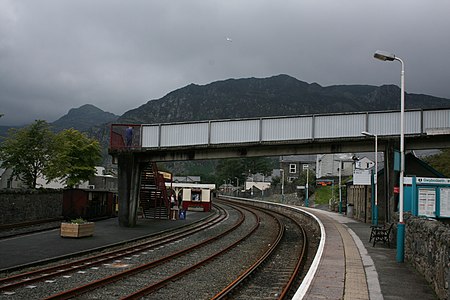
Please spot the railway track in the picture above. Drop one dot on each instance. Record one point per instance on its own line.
(273, 275)
(245, 253)
(11, 282)
(155, 274)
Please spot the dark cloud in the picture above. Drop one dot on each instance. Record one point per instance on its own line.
(59, 54)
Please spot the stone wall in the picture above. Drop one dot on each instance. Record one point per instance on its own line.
(427, 248)
(29, 205)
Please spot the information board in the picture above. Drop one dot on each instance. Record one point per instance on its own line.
(444, 210)
(427, 202)
(362, 177)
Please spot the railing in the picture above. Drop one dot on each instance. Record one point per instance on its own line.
(281, 129)
(122, 138)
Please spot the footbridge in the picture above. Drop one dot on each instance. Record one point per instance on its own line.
(271, 136)
(133, 145)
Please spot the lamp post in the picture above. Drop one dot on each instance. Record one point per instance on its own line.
(375, 179)
(340, 191)
(282, 185)
(385, 56)
(307, 186)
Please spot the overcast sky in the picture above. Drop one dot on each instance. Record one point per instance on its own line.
(60, 54)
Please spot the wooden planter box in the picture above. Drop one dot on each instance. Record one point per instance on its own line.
(77, 230)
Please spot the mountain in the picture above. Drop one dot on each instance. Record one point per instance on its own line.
(83, 118)
(279, 95)
(4, 131)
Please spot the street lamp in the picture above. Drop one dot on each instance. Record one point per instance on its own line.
(307, 186)
(385, 56)
(340, 191)
(375, 179)
(282, 184)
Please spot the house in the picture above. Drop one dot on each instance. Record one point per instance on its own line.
(364, 163)
(101, 180)
(293, 166)
(327, 165)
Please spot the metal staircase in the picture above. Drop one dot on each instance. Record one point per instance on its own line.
(153, 200)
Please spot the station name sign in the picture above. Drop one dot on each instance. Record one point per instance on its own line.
(426, 180)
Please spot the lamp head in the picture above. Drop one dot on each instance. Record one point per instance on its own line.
(383, 55)
(367, 133)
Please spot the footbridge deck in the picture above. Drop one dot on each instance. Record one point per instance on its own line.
(305, 134)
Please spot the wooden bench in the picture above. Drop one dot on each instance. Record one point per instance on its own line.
(381, 234)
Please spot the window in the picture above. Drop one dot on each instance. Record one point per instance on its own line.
(305, 167)
(196, 195)
(292, 168)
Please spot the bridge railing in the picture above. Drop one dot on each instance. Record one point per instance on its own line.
(284, 129)
(122, 138)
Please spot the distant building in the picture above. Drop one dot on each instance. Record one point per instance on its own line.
(187, 179)
(294, 165)
(327, 165)
(8, 182)
(101, 181)
(364, 163)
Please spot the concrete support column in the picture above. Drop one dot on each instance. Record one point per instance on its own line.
(128, 187)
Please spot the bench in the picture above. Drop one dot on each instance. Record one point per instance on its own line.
(381, 234)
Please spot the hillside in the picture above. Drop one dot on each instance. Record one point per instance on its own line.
(274, 96)
(83, 118)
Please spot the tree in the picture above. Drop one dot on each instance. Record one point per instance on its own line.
(230, 169)
(28, 151)
(440, 161)
(260, 165)
(75, 158)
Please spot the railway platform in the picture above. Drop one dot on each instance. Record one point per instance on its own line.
(352, 267)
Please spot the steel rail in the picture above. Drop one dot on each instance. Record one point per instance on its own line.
(147, 290)
(300, 261)
(233, 285)
(133, 271)
(227, 291)
(15, 281)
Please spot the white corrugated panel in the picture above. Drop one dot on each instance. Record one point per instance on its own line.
(339, 126)
(436, 119)
(184, 134)
(384, 123)
(287, 129)
(150, 136)
(413, 122)
(389, 123)
(234, 131)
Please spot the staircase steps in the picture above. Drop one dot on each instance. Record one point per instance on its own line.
(153, 198)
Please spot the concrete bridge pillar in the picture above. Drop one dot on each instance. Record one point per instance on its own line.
(128, 188)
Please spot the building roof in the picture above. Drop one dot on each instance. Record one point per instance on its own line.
(188, 179)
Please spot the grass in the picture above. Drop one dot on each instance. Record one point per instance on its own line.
(323, 194)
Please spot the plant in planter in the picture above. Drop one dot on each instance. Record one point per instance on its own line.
(77, 228)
